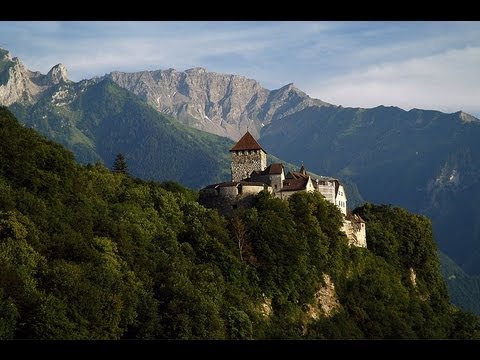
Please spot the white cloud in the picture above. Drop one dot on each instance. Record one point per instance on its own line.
(448, 82)
(94, 48)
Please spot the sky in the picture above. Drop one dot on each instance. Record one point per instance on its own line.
(409, 64)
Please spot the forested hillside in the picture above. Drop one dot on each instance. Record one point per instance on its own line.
(424, 161)
(87, 253)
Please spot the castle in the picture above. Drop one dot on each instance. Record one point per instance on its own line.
(250, 175)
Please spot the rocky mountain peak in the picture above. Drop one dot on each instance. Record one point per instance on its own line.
(18, 84)
(292, 89)
(195, 70)
(222, 104)
(464, 117)
(14, 80)
(5, 55)
(58, 74)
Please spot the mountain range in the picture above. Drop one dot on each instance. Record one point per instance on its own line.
(423, 160)
(221, 104)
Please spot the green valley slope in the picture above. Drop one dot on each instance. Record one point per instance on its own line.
(98, 120)
(464, 289)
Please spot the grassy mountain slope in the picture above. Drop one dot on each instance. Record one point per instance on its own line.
(87, 253)
(97, 121)
(464, 289)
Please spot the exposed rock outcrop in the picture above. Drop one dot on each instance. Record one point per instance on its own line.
(326, 302)
(18, 84)
(266, 307)
(413, 277)
(218, 103)
(57, 74)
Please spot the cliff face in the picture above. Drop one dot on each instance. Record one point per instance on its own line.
(217, 103)
(18, 84)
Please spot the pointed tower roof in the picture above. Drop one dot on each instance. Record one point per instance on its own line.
(247, 142)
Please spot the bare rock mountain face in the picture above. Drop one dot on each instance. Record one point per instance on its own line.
(18, 84)
(221, 104)
(217, 103)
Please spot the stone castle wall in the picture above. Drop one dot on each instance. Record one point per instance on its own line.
(225, 204)
(276, 181)
(355, 232)
(244, 162)
(251, 189)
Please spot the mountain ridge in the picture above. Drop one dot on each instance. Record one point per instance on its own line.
(219, 103)
(18, 84)
(96, 119)
(223, 104)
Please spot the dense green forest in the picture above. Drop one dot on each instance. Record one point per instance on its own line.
(89, 253)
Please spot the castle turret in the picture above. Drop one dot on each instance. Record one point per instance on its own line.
(303, 171)
(247, 156)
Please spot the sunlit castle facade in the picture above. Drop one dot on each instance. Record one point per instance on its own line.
(250, 175)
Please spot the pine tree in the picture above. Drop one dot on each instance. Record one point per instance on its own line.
(120, 164)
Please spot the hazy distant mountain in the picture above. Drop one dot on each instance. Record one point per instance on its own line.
(218, 103)
(98, 120)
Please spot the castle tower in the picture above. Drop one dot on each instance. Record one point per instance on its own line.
(247, 156)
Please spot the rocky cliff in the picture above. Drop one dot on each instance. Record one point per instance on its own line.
(20, 85)
(217, 103)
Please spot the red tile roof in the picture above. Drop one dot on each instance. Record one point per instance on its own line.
(296, 175)
(274, 169)
(294, 184)
(247, 142)
(228, 184)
